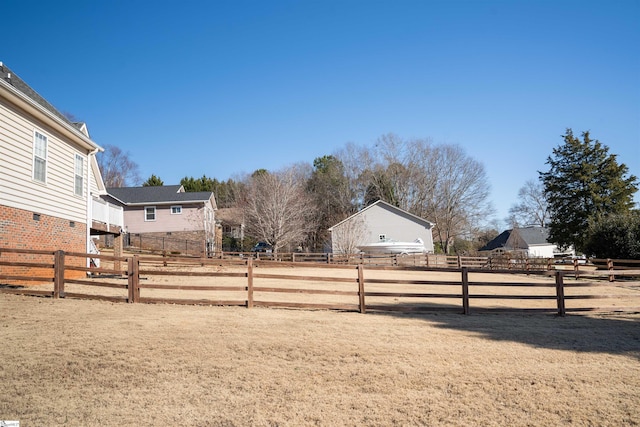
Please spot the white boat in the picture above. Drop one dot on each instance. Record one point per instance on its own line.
(393, 247)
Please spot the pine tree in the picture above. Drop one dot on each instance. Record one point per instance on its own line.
(584, 182)
(153, 181)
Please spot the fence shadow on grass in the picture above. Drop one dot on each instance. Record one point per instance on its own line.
(612, 333)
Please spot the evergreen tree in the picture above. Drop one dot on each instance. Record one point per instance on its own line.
(153, 181)
(584, 182)
(615, 236)
(329, 191)
(225, 192)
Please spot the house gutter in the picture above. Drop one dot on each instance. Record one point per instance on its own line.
(17, 98)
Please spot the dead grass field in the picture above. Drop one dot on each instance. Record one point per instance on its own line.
(87, 363)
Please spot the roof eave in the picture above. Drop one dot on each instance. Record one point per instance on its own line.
(25, 103)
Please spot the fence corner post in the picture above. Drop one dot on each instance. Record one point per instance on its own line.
(250, 282)
(58, 274)
(361, 302)
(465, 290)
(560, 293)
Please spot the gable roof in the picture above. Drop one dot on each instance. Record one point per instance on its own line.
(164, 194)
(388, 206)
(31, 101)
(533, 235)
(528, 235)
(498, 242)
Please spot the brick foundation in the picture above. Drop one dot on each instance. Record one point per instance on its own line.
(21, 229)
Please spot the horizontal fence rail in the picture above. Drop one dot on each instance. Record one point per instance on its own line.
(262, 281)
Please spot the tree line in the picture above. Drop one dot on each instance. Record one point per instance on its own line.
(584, 194)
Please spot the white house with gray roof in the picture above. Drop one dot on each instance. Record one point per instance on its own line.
(530, 242)
(167, 215)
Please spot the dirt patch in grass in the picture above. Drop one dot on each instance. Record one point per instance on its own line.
(79, 363)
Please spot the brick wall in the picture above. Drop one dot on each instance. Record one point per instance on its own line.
(21, 229)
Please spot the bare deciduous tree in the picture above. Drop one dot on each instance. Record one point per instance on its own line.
(439, 183)
(277, 208)
(460, 195)
(532, 208)
(117, 169)
(349, 235)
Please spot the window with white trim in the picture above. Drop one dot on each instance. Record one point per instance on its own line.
(39, 157)
(149, 213)
(79, 176)
(176, 210)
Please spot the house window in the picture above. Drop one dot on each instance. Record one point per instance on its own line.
(149, 213)
(176, 210)
(79, 176)
(39, 157)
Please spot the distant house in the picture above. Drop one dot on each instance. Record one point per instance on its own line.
(378, 222)
(168, 218)
(529, 242)
(49, 176)
(232, 222)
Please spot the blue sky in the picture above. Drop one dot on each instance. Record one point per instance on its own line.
(221, 88)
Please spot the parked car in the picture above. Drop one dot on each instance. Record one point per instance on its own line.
(262, 247)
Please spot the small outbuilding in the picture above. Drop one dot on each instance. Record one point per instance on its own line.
(380, 221)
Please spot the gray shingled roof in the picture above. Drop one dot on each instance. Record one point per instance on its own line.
(12, 78)
(529, 235)
(498, 242)
(157, 195)
(534, 235)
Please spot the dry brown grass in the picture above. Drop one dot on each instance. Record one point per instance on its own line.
(86, 363)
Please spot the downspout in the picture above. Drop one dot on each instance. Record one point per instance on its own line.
(89, 206)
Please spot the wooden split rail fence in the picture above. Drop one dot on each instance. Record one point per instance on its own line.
(252, 283)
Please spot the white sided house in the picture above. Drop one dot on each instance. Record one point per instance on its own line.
(528, 242)
(48, 173)
(167, 218)
(380, 222)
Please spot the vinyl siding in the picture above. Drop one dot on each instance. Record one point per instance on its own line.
(18, 189)
(191, 219)
(393, 224)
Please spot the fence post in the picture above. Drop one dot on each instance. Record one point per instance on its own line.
(576, 268)
(459, 262)
(465, 290)
(133, 267)
(249, 282)
(58, 274)
(610, 268)
(560, 293)
(361, 302)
